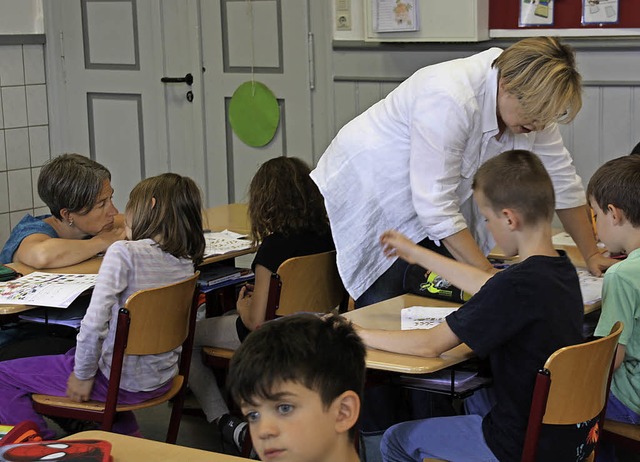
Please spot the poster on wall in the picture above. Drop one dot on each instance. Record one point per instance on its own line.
(395, 15)
(536, 13)
(600, 11)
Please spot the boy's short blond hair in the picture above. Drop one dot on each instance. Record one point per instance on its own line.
(541, 72)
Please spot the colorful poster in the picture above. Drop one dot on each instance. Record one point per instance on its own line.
(395, 15)
(536, 13)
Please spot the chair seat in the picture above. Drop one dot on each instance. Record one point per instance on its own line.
(218, 352)
(99, 406)
(630, 431)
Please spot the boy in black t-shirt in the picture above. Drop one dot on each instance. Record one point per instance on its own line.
(516, 318)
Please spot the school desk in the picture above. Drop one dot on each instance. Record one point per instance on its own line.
(386, 315)
(230, 216)
(131, 449)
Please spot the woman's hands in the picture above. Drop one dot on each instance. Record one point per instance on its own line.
(79, 390)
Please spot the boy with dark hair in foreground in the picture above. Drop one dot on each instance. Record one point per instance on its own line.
(299, 382)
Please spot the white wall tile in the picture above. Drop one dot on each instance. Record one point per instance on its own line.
(5, 228)
(3, 156)
(24, 142)
(41, 211)
(33, 64)
(1, 111)
(37, 202)
(20, 191)
(37, 105)
(39, 145)
(4, 196)
(14, 107)
(15, 217)
(17, 144)
(11, 67)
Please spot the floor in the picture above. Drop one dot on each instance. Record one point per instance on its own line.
(195, 431)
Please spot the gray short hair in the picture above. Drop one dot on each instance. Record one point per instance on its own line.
(71, 182)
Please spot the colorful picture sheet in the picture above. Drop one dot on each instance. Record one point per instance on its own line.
(46, 289)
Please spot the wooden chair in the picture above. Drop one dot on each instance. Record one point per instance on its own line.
(302, 284)
(622, 434)
(153, 321)
(310, 283)
(572, 387)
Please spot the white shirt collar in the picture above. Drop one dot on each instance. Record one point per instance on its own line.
(489, 116)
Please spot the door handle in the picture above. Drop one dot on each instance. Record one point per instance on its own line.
(188, 79)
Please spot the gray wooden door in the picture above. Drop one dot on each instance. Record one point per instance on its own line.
(265, 40)
(105, 63)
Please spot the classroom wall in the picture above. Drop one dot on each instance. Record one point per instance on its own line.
(24, 124)
(21, 17)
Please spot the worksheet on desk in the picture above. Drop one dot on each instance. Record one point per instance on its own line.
(226, 241)
(590, 286)
(423, 317)
(46, 289)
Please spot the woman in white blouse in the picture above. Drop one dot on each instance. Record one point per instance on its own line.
(408, 161)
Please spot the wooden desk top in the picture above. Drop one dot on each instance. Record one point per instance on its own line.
(386, 315)
(131, 449)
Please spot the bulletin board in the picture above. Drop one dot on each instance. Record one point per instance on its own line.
(504, 14)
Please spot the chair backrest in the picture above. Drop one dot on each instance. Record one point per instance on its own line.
(160, 317)
(307, 283)
(573, 387)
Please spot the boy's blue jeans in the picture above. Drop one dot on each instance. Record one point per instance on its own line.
(455, 439)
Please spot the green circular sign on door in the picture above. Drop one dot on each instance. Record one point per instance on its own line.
(254, 113)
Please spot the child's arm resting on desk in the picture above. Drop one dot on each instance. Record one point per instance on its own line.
(464, 276)
(428, 343)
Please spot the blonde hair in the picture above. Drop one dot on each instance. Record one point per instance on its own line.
(541, 72)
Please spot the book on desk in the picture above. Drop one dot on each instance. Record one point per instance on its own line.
(217, 276)
(79, 449)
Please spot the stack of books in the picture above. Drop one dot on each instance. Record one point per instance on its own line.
(217, 276)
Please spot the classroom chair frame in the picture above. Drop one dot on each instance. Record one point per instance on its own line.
(160, 337)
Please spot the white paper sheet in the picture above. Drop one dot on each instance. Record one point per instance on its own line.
(223, 242)
(423, 317)
(590, 286)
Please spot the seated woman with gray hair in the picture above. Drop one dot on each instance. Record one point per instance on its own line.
(82, 223)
